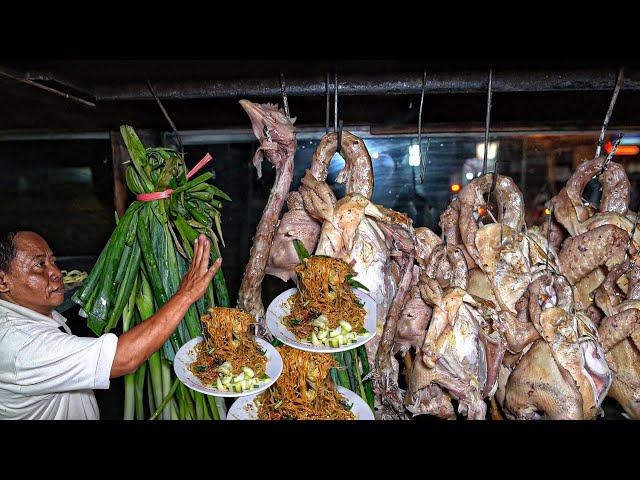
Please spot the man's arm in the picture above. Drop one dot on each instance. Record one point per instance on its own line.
(137, 344)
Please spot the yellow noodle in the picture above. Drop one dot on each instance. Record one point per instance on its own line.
(323, 289)
(227, 339)
(303, 390)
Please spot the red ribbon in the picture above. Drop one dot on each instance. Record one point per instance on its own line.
(151, 196)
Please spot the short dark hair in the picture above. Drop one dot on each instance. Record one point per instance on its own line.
(7, 249)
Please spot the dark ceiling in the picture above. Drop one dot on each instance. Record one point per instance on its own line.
(89, 96)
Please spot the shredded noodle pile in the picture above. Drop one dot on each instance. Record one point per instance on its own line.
(323, 289)
(303, 391)
(227, 339)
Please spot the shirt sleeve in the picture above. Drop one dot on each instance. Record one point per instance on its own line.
(55, 362)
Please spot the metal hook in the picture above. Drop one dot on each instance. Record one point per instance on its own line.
(166, 115)
(328, 112)
(335, 100)
(283, 90)
(616, 90)
(546, 265)
(633, 231)
(611, 154)
(423, 161)
(486, 125)
(494, 180)
(424, 82)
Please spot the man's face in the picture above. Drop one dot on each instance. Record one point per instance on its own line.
(33, 280)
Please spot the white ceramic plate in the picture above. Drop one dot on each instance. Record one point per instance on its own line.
(245, 409)
(279, 308)
(187, 355)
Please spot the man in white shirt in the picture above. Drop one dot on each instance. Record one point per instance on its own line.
(46, 373)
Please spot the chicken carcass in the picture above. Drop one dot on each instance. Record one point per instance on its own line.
(277, 138)
(564, 374)
(314, 201)
(570, 209)
(620, 334)
(458, 353)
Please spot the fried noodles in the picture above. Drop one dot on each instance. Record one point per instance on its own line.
(303, 391)
(227, 339)
(323, 290)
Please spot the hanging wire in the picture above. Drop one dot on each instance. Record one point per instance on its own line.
(424, 82)
(328, 111)
(546, 265)
(616, 90)
(424, 162)
(611, 154)
(335, 102)
(633, 231)
(166, 115)
(486, 125)
(337, 125)
(283, 90)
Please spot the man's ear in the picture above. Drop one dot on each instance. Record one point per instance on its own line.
(4, 287)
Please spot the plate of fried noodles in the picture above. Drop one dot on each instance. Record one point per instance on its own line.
(228, 360)
(327, 312)
(304, 391)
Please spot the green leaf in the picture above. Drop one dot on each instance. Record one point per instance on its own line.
(295, 321)
(300, 249)
(355, 283)
(138, 155)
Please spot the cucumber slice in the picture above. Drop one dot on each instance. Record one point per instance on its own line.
(314, 339)
(219, 384)
(322, 334)
(346, 326)
(238, 378)
(226, 380)
(334, 342)
(335, 332)
(320, 322)
(225, 368)
(248, 372)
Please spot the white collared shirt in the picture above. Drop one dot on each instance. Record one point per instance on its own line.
(46, 373)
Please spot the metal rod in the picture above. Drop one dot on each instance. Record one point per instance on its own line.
(612, 153)
(283, 90)
(423, 164)
(335, 100)
(49, 77)
(546, 265)
(616, 90)
(494, 180)
(166, 115)
(5, 72)
(424, 81)
(486, 125)
(328, 97)
(633, 231)
(443, 82)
